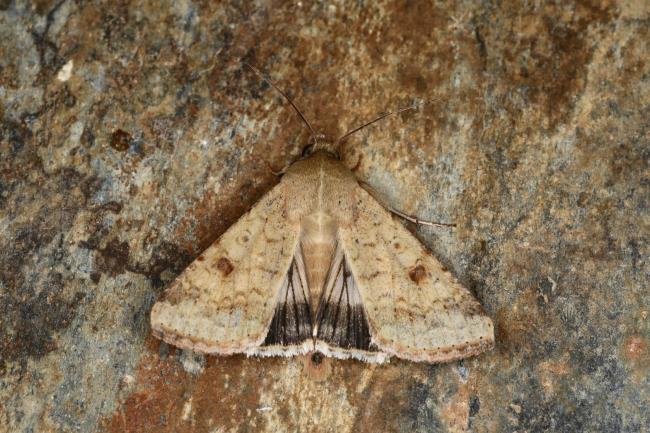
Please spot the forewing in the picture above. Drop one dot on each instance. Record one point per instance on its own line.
(225, 300)
(416, 309)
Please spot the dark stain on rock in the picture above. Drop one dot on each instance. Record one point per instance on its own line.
(546, 63)
(166, 256)
(544, 292)
(53, 218)
(482, 47)
(27, 240)
(113, 259)
(474, 405)
(30, 322)
(541, 414)
(224, 265)
(421, 20)
(15, 134)
(49, 56)
(120, 140)
(189, 110)
(67, 97)
(33, 312)
(95, 276)
(419, 417)
(111, 206)
(417, 274)
(87, 137)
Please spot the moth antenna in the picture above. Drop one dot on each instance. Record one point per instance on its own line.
(268, 80)
(377, 119)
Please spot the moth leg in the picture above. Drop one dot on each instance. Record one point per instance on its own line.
(282, 170)
(419, 221)
(270, 168)
(401, 214)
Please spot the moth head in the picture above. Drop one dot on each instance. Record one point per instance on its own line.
(321, 143)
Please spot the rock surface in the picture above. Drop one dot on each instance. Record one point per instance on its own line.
(132, 137)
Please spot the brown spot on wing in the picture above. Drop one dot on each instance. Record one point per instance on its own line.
(224, 265)
(417, 273)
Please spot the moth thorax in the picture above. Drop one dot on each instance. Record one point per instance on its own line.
(318, 245)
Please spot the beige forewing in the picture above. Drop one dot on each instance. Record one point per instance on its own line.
(225, 300)
(416, 309)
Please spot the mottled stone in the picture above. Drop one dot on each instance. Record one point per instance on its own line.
(131, 137)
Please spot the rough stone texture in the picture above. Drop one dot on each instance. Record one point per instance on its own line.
(132, 137)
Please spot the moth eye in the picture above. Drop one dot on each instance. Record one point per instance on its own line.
(307, 150)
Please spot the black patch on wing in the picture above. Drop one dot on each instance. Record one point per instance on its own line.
(291, 322)
(341, 318)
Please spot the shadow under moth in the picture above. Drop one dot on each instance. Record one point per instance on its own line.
(318, 266)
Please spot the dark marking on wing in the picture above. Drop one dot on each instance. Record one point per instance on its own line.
(417, 274)
(224, 265)
(341, 317)
(291, 322)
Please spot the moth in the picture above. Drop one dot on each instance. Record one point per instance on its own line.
(318, 266)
